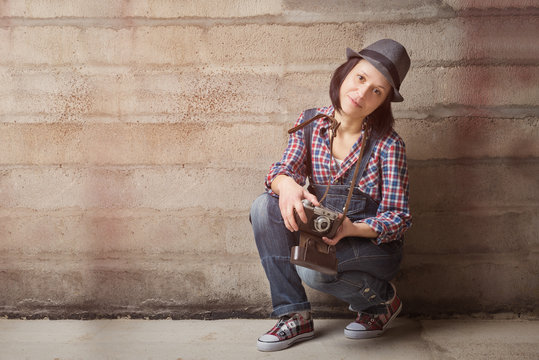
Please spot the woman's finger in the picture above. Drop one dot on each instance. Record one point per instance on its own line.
(311, 198)
(301, 212)
(330, 241)
(288, 215)
(291, 220)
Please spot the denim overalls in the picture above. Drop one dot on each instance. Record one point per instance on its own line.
(364, 268)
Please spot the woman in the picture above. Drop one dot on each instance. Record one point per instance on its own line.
(369, 241)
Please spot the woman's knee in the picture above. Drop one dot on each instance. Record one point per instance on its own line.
(315, 279)
(271, 236)
(263, 209)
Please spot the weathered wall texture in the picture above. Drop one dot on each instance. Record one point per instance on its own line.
(135, 134)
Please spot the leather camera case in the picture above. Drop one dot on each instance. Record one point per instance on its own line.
(314, 254)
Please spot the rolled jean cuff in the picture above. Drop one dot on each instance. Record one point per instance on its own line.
(290, 309)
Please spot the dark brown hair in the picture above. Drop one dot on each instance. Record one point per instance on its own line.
(380, 120)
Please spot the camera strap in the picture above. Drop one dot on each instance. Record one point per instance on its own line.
(333, 127)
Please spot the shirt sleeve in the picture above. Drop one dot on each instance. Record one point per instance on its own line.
(393, 216)
(293, 161)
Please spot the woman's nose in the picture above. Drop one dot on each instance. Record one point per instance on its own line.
(361, 91)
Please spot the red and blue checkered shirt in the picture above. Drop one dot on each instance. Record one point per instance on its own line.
(385, 178)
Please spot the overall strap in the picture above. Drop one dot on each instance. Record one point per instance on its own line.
(308, 137)
(308, 126)
(312, 115)
(363, 161)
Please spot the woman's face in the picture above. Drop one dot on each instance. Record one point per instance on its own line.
(363, 90)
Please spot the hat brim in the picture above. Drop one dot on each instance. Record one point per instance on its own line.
(397, 97)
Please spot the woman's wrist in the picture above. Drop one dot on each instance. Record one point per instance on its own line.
(277, 183)
(364, 230)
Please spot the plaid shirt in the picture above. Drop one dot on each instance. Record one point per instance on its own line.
(385, 179)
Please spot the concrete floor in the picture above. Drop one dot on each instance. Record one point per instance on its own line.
(236, 339)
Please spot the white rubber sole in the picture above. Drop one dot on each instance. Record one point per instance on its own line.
(365, 334)
(280, 345)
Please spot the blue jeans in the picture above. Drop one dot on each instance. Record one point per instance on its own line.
(364, 268)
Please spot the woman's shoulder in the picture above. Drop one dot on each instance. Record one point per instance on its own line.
(312, 112)
(392, 140)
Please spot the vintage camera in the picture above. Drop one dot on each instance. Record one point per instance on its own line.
(312, 252)
(320, 220)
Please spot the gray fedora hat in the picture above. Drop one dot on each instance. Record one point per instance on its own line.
(390, 58)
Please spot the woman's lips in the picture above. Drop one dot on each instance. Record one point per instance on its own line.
(354, 102)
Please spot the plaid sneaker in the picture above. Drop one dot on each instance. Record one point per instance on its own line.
(368, 326)
(286, 332)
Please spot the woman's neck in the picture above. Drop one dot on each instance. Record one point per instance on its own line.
(348, 125)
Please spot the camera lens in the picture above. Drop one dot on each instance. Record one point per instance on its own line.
(322, 224)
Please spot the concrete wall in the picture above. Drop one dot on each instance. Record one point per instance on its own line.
(135, 134)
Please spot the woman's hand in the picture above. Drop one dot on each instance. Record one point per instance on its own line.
(348, 228)
(290, 196)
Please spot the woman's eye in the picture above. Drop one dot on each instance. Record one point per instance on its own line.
(360, 77)
(377, 92)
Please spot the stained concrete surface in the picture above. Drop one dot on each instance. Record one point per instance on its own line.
(236, 339)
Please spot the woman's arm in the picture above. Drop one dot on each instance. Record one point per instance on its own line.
(287, 177)
(348, 228)
(393, 216)
(292, 162)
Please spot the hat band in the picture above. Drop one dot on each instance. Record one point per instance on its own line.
(386, 62)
